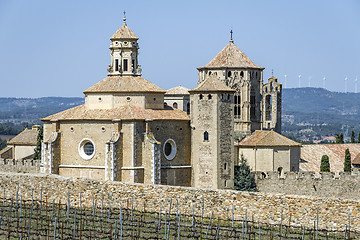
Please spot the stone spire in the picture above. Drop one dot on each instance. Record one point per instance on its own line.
(124, 52)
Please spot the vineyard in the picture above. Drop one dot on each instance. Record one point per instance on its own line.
(44, 219)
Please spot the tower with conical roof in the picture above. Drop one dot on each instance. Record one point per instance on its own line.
(238, 72)
(124, 53)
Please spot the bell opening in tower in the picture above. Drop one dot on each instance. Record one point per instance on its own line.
(125, 65)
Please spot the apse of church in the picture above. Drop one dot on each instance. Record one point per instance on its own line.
(123, 132)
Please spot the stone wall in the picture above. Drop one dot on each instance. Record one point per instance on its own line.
(21, 165)
(297, 210)
(344, 185)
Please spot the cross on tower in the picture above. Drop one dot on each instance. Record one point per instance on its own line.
(231, 32)
(124, 18)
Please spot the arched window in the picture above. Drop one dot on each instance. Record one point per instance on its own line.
(206, 136)
(241, 74)
(229, 73)
(175, 105)
(237, 105)
(201, 96)
(209, 96)
(280, 171)
(188, 108)
(268, 108)
(252, 103)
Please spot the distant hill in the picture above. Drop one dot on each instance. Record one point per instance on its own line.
(308, 113)
(32, 109)
(319, 100)
(314, 113)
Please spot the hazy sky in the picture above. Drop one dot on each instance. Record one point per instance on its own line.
(60, 48)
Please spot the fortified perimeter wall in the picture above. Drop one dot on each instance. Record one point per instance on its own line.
(297, 210)
(20, 165)
(344, 185)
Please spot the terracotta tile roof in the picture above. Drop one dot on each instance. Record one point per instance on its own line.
(231, 57)
(124, 32)
(2, 151)
(180, 90)
(261, 138)
(311, 156)
(128, 112)
(212, 84)
(356, 160)
(115, 84)
(26, 137)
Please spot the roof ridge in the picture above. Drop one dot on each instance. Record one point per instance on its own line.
(212, 83)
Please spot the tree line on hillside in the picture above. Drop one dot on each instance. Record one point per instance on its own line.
(339, 138)
(9, 128)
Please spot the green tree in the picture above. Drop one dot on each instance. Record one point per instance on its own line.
(325, 164)
(244, 180)
(2, 144)
(347, 162)
(37, 151)
(339, 138)
(352, 137)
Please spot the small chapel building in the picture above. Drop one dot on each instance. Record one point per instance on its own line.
(133, 131)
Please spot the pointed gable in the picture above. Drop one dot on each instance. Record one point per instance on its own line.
(231, 57)
(261, 138)
(180, 90)
(212, 84)
(114, 84)
(124, 32)
(26, 137)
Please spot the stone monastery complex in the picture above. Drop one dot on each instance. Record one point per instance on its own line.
(133, 131)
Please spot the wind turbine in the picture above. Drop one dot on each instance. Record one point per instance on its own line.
(346, 79)
(356, 84)
(309, 81)
(285, 79)
(324, 81)
(299, 80)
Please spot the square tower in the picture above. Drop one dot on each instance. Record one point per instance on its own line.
(212, 134)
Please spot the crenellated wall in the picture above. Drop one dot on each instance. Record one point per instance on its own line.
(344, 185)
(21, 165)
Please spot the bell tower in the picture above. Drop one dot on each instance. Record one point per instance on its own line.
(212, 134)
(271, 114)
(124, 52)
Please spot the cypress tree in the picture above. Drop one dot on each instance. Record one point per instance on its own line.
(359, 137)
(244, 180)
(347, 162)
(37, 151)
(352, 137)
(325, 164)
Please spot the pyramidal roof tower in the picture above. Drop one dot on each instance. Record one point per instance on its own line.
(238, 72)
(124, 52)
